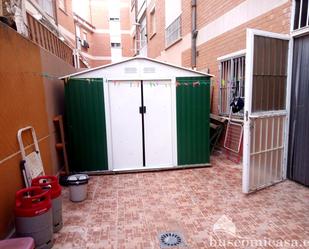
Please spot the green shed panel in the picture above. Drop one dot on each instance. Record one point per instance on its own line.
(193, 107)
(86, 128)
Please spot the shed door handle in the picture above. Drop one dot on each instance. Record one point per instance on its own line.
(142, 109)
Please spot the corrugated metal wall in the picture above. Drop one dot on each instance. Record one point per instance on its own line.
(54, 98)
(298, 167)
(193, 107)
(85, 119)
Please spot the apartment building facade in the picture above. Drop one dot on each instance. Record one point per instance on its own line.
(257, 51)
(207, 35)
(102, 28)
(97, 31)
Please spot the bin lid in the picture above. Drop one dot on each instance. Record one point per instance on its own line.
(17, 243)
(78, 179)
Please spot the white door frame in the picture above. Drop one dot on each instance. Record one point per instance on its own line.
(174, 121)
(248, 102)
(108, 124)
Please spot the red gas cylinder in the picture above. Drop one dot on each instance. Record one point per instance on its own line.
(33, 216)
(51, 184)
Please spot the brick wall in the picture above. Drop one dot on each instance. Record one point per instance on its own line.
(127, 49)
(186, 16)
(97, 63)
(156, 42)
(65, 17)
(209, 10)
(99, 40)
(100, 45)
(125, 25)
(276, 20)
(99, 14)
(125, 7)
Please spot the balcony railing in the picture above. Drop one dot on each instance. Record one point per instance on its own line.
(42, 36)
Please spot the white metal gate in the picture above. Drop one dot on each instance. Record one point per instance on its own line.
(266, 109)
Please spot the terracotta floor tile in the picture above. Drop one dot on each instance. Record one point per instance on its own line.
(131, 210)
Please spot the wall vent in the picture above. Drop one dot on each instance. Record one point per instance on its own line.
(149, 70)
(130, 70)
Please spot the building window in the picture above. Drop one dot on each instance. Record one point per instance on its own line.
(62, 5)
(132, 3)
(143, 33)
(301, 14)
(135, 45)
(232, 82)
(115, 19)
(85, 38)
(77, 30)
(140, 4)
(152, 22)
(173, 32)
(82, 40)
(115, 44)
(47, 6)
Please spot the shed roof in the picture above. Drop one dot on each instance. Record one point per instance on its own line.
(198, 73)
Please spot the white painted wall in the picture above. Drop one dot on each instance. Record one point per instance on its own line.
(172, 11)
(116, 54)
(114, 29)
(81, 8)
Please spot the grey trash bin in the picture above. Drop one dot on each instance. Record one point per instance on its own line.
(78, 187)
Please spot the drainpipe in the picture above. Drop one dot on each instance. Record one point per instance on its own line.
(137, 28)
(194, 33)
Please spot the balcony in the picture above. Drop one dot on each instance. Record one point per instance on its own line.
(45, 38)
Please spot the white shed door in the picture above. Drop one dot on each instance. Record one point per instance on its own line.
(158, 123)
(126, 125)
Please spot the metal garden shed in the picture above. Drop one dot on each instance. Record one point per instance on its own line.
(137, 114)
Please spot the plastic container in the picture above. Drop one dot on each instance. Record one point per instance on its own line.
(33, 216)
(78, 187)
(18, 243)
(50, 183)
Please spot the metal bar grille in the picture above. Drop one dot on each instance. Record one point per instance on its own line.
(42, 36)
(232, 82)
(233, 138)
(173, 32)
(266, 153)
(301, 14)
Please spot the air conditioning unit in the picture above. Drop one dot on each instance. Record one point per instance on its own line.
(84, 44)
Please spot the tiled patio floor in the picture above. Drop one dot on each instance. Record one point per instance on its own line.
(131, 210)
